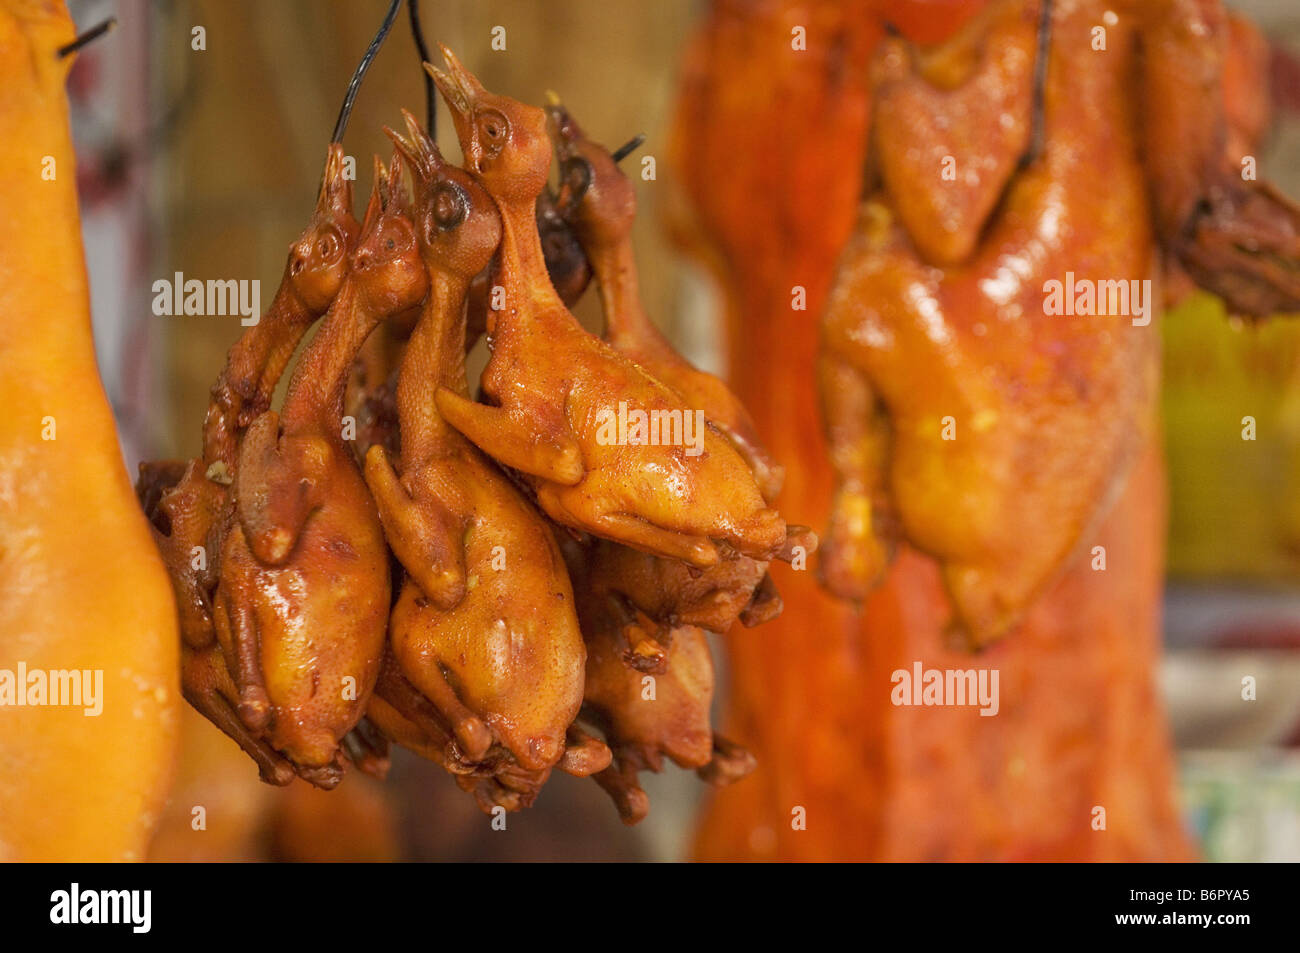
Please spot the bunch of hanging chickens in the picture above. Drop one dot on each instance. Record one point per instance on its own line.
(500, 582)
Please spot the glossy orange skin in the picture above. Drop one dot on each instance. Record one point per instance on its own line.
(302, 604)
(676, 722)
(196, 510)
(486, 611)
(1028, 417)
(646, 705)
(1046, 410)
(512, 644)
(81, 585)
(600, 203)
(550, 380)
(878, 781)
(193, 507)
(643, 613)
(321, 620)
(601, 218)
(643, 729)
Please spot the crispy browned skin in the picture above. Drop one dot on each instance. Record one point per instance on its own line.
(646, 712)
(484, 629)
(371, 395)
(1237, 238)
(189, 503)
(648, 597)
(302, 602)
(879, 781)
(968, 100)
(649, 717)
(960, 415)
(566, 265)
(372, 389)
(398, 711)
(599, 201)
(551, 381)
(317, 263)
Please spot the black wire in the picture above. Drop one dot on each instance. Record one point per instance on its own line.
(627, 148)
(94, 33)
(350, 97)
(430, 99)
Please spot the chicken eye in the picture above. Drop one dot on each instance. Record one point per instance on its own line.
(449, 207)
(327, 246)
(493, 130)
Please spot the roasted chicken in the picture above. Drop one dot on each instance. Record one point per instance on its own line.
(647, 718)
(193, 507)
(646, 707)
(558, 392)
(1080, 723)
(302, 604)
(190, 504)
(372, 391)
(484, 629)
(599, 201)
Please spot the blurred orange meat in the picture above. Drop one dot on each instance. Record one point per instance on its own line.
(769, 147)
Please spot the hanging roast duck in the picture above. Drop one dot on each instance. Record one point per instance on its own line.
(968, 410)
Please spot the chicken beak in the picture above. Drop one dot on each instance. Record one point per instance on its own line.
(375, 207)
(335, 198)
(419, 151)
(560, 126)
(459, 87)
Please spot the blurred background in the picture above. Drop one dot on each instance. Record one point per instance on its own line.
(206, 161)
